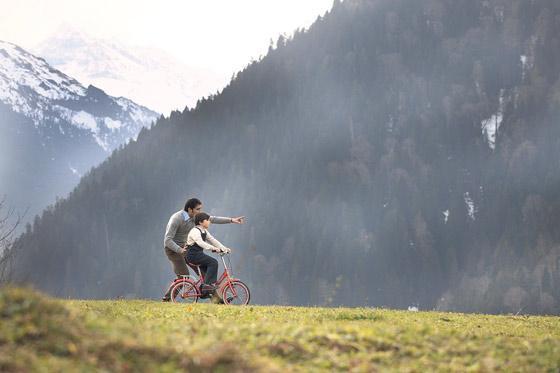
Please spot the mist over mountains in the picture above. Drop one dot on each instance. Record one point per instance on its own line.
(53, 129)
(398, 152)
(148, 76)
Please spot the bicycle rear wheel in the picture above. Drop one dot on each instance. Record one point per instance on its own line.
(184, 292)
(236, 293)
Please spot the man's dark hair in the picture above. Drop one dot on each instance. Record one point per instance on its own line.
(192, 203)
(200, 217)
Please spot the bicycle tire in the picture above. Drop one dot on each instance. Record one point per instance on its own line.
(236, 293)
(184, 292)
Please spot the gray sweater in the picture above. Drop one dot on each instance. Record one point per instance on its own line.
(179, 226)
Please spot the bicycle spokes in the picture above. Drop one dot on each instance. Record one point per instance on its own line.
(236, 293)
(184, 292)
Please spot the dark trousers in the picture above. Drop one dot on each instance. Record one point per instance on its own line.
(208, 265)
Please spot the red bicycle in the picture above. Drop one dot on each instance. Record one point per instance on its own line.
(232, 290)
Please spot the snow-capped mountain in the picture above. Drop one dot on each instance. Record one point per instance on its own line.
(53, 129)
(146, 75)
(33, 88)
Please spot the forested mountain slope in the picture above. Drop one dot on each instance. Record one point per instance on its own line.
(399, 152)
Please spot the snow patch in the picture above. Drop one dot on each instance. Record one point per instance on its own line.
(523, 59)
(74, 171)
(103, 142)
(471, 209)
(123, 103)
(490, 128)
(85, 120)
(491, 125)
(112, 124)
(445, 216)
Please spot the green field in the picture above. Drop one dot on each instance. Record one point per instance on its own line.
(41, 334)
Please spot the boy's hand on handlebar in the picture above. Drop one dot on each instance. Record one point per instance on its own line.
(224, 250)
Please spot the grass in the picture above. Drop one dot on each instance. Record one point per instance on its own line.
(38, 333)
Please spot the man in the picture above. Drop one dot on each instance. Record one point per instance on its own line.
(176, 233)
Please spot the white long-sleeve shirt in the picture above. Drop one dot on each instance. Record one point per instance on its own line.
(179, 226)
(211, 243)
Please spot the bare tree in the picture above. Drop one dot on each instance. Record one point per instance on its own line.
(9, 221)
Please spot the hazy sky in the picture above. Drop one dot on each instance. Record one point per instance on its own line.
(221, 34)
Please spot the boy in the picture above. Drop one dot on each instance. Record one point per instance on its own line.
(200, 239)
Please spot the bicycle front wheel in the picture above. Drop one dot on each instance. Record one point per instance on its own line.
(184, 292)
(236, 293)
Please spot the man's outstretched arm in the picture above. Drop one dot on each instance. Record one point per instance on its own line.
(225, 220)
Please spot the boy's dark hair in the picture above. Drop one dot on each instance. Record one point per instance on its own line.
(200, 217)
(192, 203)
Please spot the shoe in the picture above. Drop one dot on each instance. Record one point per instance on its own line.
(165, 299)
(207, 291)
(216, 299)
(207, 287)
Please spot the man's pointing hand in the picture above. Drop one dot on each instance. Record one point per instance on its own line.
(238, 220)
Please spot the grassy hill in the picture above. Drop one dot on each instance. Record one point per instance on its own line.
(40, 333)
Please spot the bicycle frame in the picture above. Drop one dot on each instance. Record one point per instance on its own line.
(225, 276)
(228, 287)
(225, 273)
